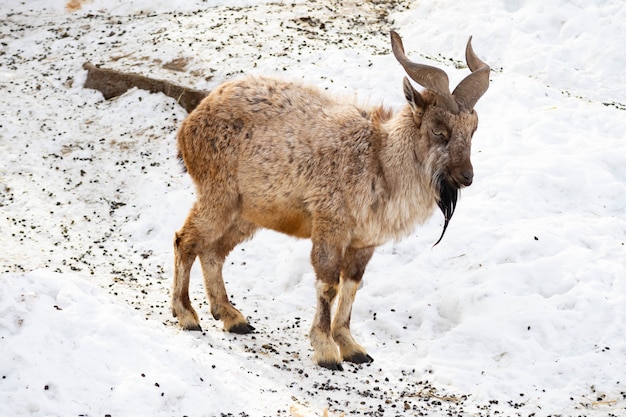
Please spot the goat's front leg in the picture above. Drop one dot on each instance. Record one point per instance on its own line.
(326, 260)
(354, 263)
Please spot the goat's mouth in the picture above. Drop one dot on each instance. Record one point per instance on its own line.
(448, 195)
(462, 180)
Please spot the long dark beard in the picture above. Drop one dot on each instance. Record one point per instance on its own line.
(448, 196)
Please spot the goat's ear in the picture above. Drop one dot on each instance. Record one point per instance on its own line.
(415, 99)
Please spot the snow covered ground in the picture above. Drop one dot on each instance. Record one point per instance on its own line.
(521, 310)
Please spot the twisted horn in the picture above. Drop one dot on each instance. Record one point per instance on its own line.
(467, 93)
(432, 78)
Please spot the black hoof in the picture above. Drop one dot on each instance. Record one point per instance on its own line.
(242, 328)
(359, 358)
(195, 328)
(333, 366)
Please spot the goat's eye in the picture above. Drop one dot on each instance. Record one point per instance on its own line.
(439, 135)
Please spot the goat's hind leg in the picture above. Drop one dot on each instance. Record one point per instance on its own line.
(185, 252)
(353, 267)
(212, 260)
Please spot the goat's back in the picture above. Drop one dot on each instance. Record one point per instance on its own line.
(284, 150)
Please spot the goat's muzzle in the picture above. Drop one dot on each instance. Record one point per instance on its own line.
(461, 175)
(467, 177)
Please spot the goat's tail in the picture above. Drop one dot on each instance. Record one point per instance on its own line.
(181, 161)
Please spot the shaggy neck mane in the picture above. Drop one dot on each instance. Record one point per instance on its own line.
(411, 184)
(414, 177)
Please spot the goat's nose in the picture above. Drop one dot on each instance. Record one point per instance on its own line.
(468, 177)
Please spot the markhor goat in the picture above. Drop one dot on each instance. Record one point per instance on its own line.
(274, 154)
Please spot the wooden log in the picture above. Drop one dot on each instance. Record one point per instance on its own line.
(112, 83)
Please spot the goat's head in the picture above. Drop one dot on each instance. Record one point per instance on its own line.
(447, 121)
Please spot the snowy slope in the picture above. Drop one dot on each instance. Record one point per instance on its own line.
(521, 309)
